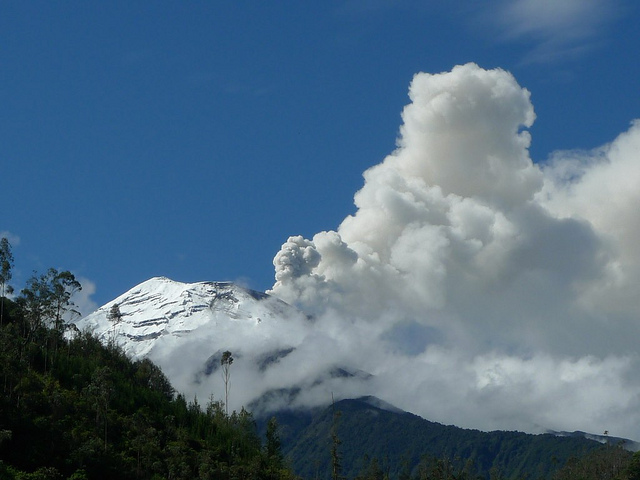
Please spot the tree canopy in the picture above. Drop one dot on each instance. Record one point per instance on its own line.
(73, 408)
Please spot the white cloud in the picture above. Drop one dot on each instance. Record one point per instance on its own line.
(479, 288)
(601, 188)
(569, 18)
(82, 298)
(558, 29)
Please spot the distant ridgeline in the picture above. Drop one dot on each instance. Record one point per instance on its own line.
(376, 438)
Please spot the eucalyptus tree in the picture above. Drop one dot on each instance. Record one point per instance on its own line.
(6, 264)
(63, 285)
(47, 305)
(47, 298)
(336, 457)
(115, 317)
(225, 363)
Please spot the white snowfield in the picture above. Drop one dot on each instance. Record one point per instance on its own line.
(163, 311)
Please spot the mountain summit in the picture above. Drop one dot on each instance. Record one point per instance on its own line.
(185, 327)
(161, 311)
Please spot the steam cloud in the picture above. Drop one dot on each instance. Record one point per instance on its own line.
(477, 287)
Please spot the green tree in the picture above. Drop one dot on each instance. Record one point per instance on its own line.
(611, 462)
(46, 306)
(99, 393)
(144, 441)
(371, 470)
(5, 435)
(46, 300)
(150, 376)
(225, 363)
(6, 264)
(633, 469)
(115, 317)
(273, 446)
(336, 458)
(63, 285)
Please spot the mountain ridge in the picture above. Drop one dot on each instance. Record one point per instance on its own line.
(371, 429)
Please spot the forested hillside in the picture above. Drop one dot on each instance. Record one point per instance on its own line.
(73, 408)
(377, 443)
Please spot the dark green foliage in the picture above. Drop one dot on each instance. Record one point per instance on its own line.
(633, 468)
(6, 264)
(273, 446)
(403, 445)
(47, 298)
(611, 462)
(80, 410)
(336, 456)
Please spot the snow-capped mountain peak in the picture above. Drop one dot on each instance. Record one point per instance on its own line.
(161, 307)
(281, 356)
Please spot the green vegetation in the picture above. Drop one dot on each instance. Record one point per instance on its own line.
(610, 462)
(72, 408)
(378, 444)
(226, 362)
(6, 264)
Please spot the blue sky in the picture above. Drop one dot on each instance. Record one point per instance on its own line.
(483, 254)
(191, 139)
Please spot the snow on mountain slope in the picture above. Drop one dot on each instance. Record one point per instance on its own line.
(184, 328)
(161, 308)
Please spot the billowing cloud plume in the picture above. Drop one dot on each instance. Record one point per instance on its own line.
(82, 299)
(477, 287)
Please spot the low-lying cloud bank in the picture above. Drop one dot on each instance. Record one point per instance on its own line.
(477, 287)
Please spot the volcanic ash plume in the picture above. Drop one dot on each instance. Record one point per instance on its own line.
(465, 256)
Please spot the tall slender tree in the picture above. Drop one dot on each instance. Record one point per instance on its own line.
(47, 298)
(273, 446)
(63, 286)
(225, 363)
(115, 317)
(336, 458)
(6, 264)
